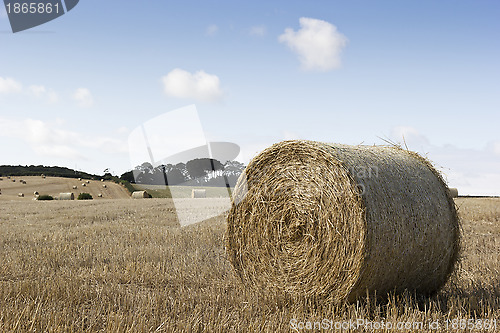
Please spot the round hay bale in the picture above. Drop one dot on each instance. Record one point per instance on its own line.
(75, 187)
(99, 195)
(140, 195)
(66, 196)
(199, 193)
(453, 192)
(79, 179)
(335, 222)
(88, 181)
(36, 193)
(104, 186)
(102, 180)
(83, 184)
(21, 195)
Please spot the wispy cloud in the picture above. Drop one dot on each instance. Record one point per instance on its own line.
(317, 43)
(10, 86)
(473, 171)
(40, 91)
(83, 97)
(52, 139)
(258, 30)
(212, 30)
(199, 86)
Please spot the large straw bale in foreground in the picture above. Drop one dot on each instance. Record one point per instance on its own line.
(336, 221)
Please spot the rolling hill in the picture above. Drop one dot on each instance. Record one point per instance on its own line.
(10, 188)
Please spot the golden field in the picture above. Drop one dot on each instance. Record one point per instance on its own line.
(53, 186)
(116, 265)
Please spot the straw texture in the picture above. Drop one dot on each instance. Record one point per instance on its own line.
(337, 222)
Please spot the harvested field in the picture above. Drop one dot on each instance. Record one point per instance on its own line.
(55, 185)
(126, 266)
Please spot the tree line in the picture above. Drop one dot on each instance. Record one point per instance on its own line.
(197, 172)
(37, 170)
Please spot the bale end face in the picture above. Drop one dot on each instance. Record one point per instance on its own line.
(67, 196)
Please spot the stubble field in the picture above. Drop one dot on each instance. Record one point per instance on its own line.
(127, 266)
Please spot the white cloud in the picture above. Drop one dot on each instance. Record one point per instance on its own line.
(496, 148)
(258, 30)
(40, 91)
(317, 43)
(84, 97)
(10, 86)
(472, 171)
(3, 13)
(200, 85)
(212, 30)
(53, 140)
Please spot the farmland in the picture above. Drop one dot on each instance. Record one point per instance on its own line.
(10, 188)
(126, 266)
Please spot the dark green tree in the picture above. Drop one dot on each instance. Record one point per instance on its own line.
(200, 167)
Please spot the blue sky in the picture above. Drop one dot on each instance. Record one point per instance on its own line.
(72, 90)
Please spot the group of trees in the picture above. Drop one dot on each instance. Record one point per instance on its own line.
(200, 171)
(37, 170)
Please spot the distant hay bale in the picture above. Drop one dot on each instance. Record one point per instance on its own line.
(140, 195)
(88, 181)
(104, 186)
(21, 195)
(79, 179)
(66, 196)
(335, 222)
(13, 180)
(83, 184)
(100, 195)
(102, 180)
(75, 187)
(200, 193)
(453, 192)
(36, 193)
(43, 176)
